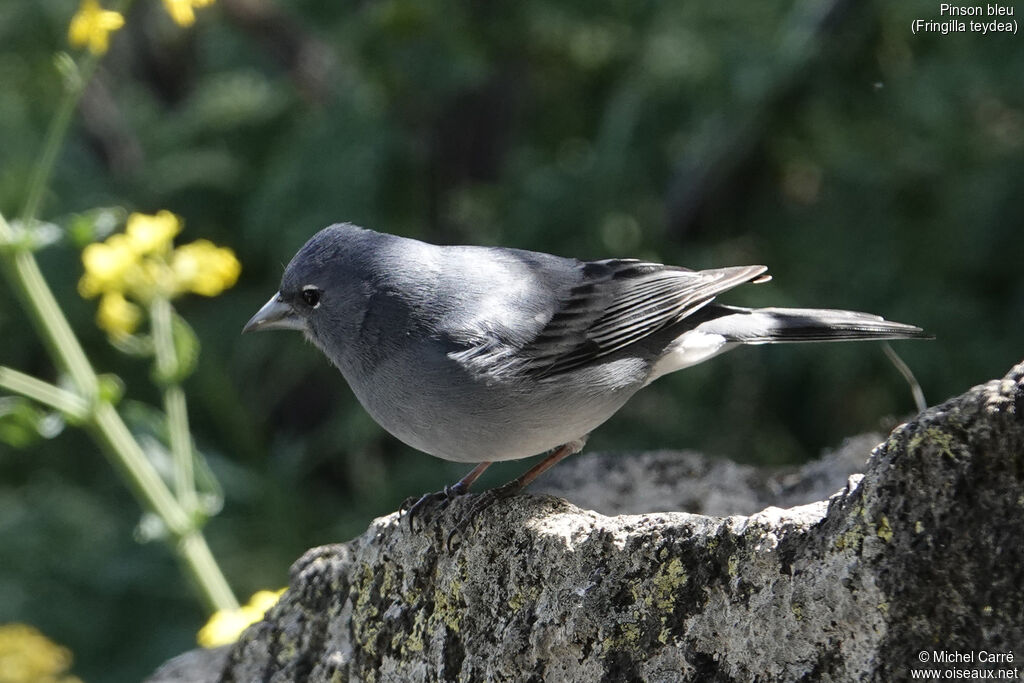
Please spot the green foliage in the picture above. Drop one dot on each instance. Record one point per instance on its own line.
(869, 168)
(185, 357)
(23, 424)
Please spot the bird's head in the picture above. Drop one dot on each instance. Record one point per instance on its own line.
(324, 290)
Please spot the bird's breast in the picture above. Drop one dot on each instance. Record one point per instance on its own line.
(428, 400)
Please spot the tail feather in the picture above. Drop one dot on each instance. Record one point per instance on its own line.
(781, 325)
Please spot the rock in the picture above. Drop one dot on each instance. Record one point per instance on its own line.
(194, 666)
(921, 554)
(663, 481)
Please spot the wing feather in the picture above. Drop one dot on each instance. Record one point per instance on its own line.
(619, 302)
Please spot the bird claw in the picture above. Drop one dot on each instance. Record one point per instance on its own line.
(479, 504)
(410, 509)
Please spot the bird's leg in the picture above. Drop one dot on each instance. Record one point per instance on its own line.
(410, 509)
(527, 477)
(489, 497)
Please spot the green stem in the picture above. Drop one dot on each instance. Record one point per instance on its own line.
(181, 446)
(180, 437)
(105, 423)
(128, 458)
(149, 488)
(54, 140)
(58, 130)
(100, 417)
(124, 452)
(47, 316)
(205, 572)
(44, 392)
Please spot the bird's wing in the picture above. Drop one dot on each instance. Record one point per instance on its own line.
(618, 302)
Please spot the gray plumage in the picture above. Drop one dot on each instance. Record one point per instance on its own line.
(479, 354)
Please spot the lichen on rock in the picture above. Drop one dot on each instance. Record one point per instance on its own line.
(923, 552)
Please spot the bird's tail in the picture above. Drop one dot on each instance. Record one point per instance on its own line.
(779, 325)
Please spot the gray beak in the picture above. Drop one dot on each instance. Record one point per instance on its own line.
(275, 315)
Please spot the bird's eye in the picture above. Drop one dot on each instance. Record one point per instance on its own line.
(311, 295)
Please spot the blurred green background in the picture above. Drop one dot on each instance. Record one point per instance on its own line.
(870, 169)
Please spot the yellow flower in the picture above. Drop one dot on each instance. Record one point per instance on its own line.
(182, 10)
(140, 264)
(119, 263)
(151, 234)
(152, 278)
(226, 625)
(204, 268)
(91, 26)
(27, 656)
(117, 315)
(106, 264)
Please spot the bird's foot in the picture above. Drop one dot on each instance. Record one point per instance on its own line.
(413, 507)
(479, 504)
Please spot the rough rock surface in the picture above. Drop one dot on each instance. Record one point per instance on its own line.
(925, 552)
(667, 481)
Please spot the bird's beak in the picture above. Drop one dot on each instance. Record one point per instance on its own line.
(275, 315)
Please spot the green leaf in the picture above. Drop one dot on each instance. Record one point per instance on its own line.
(150, 528)
(39, 236)
(140, 345)
(111, 388)
(94, 225)
(149, 426)
(68, 70)
(23, 424)
(211, 493)
(186, 347)
(186, 353)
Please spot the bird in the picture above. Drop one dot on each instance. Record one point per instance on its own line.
(479, 354)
